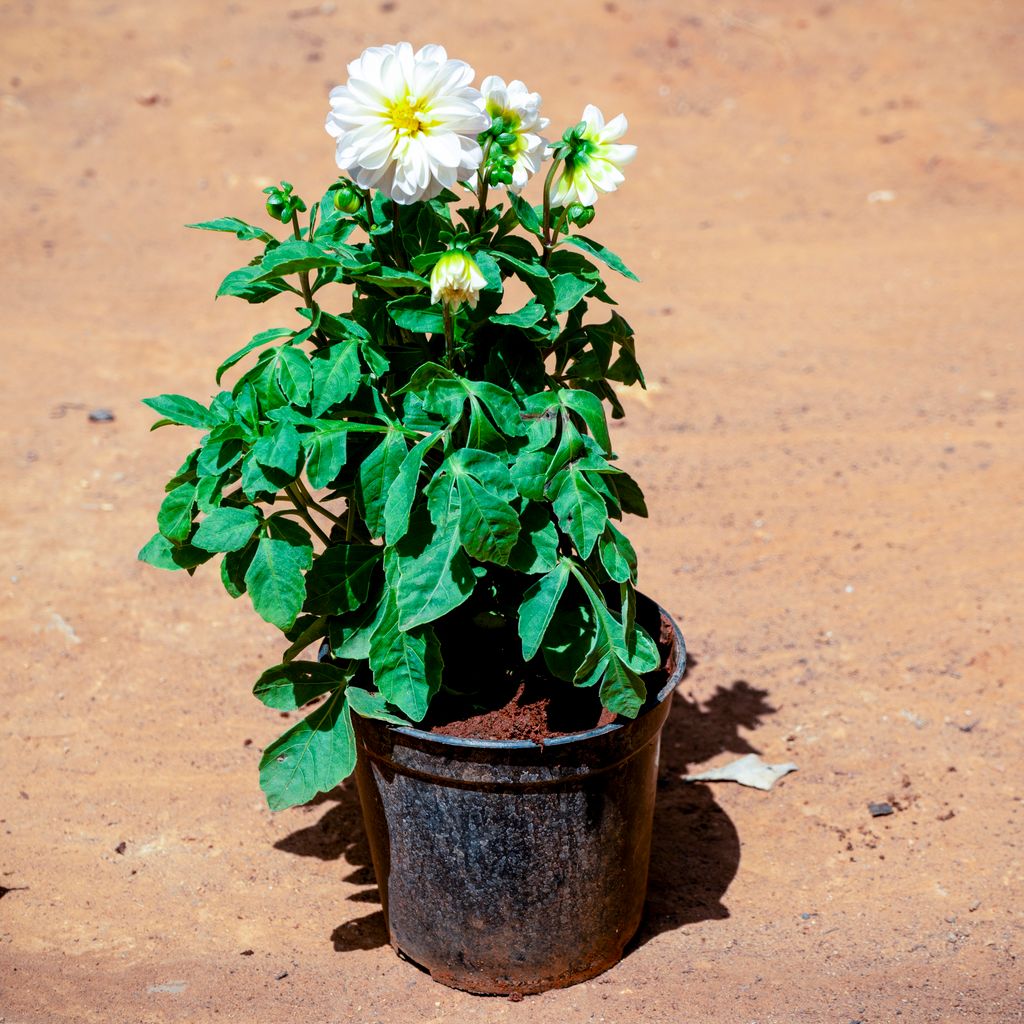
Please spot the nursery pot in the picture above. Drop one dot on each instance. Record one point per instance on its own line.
(512, 866)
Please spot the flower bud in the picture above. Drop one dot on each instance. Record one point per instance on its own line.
(281, 203)
(347, 199)
(579, 214)
(456, 278)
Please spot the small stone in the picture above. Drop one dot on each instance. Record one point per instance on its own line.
(101, 416)
(281, 976)
(121, 847)
(246, 952)
(880, 810)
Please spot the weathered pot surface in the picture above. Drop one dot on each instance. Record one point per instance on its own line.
(512, 866)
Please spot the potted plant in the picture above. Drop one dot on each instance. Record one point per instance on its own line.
(415, 482)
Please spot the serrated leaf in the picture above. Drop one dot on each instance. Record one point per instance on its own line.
(289, 686)
(416, 313)
(245, 283)
(226, 529)
(312, 757)
(569, 290)
(538, 607)
(525, 213)
(532, 313)
(336, 376)
(293, 374)
(402, 493)
(280, 450)
(326, 454)
(161, 553)
(179, 409)
(275, 580)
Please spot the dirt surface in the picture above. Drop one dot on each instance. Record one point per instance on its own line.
(826, 214)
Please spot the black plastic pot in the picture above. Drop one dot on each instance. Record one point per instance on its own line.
(510, 866)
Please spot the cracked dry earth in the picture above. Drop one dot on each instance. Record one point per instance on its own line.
(826, 215)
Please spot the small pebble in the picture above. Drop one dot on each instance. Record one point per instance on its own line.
(880, 810)
(281, 976)
(121, 847)
(101, 416)
(246, 952)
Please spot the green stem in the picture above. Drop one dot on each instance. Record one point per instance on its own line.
(400, 259)
(449, 336)
(312, 503)
(482, 186)
(307, 292)
(546, 224)
(298, 502)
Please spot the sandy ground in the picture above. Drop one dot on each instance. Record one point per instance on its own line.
(826, 214)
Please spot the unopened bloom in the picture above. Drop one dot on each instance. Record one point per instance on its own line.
(595, 161)
(407, 123)
(456, 278)
(515, 120)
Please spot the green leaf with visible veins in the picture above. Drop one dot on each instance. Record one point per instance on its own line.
(339, 581)
(372, 705)
(275, 582)
(288, 687)
(604, 254)
(179, 409)
(488, 525)
(406, 664)
(538, 607)
(243, 231)
(312, 757)
(402, 494)
(176, 510)
(377, 474)
(326, 454)
(280, 449)
(263, 338)
(336, 375)
(536, 550)
(226, 529)
(581, 510)
(292, 257)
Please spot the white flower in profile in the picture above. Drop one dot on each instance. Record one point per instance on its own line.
(456, 278)
(596, 163)
(519, 110)
(407, 123)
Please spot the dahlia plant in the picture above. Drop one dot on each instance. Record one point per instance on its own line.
(413, 468)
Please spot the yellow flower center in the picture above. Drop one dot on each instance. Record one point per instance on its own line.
(409, 116)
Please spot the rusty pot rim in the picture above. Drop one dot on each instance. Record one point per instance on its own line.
(464, 742)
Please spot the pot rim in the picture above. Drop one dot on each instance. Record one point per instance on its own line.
(463, 742)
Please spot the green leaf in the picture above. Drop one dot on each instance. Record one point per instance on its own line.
(590, 408)
(433, 574)
(487, 467)
(312, 757)
(530, 473)
(570, 638)
(280, 450)
(339, 581)
(538, 607)
(349, 634)
(291, 258)
(243, 231)
(536, 549)
(406, 664)
(245, 283)
(416, 313)
(179, 409)
(600, 252)
(255, 342)
(531, 268)
(631, 498)
(275, 582)
(569, 289)
(226, 529)
(293, 374)
(217, 457)
(336, 376)
(617, 555)
(488, 525)
(233, 567)
(525, 213)
(326, 454)
(532, 313)
(581, 510)
(161, 553)
(176, 511)
(622, 690)
(402, 493)
(288, 687)
(377, 474)
(372, 705)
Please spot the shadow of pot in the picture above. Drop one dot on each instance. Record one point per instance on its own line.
(510, 866)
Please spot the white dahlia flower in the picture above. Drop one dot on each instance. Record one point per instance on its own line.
(519, 110)
(456, 278)
(407, 123)
(596, 162)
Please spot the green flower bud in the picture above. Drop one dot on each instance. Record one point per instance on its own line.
(281, 204)
(347, 199)
(579, 214)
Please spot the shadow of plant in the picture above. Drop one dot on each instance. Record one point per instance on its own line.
(695, 851)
